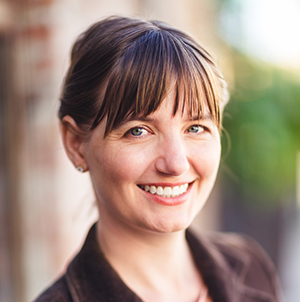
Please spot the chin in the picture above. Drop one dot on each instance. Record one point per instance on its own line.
(171, 227)
(176, 221)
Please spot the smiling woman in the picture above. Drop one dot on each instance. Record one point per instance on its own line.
(141, 110)
(160, 152)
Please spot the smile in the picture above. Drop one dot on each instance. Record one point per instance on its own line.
(168, 192)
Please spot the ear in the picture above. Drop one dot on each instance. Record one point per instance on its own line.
(73, 141)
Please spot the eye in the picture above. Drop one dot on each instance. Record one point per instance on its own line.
(137, 131)
(195, 129)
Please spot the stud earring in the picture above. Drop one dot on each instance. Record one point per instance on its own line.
(80, 169)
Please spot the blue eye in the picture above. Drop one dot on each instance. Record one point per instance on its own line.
(195, 129)
(138, 131)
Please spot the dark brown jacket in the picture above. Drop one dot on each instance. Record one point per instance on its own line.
(234, 268)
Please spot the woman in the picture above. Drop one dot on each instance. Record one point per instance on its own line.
(141, 111)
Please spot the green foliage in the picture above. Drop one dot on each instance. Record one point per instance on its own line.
(263, 122)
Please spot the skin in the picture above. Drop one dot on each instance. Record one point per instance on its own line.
(136, 227)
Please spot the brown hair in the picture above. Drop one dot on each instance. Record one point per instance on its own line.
(123, 67)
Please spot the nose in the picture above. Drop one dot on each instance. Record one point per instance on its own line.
(172, 159)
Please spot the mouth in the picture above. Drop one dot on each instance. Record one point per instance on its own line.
(167, 191)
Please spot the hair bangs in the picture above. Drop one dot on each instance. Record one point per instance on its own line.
(199, 83)
(145, 73)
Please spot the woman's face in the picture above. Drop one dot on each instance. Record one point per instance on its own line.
(154, 173)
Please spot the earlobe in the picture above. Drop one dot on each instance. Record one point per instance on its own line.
(73, 142)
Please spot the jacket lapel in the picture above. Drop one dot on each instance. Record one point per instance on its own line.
(225, 269)
(90, 277)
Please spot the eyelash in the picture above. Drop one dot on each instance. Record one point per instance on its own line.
(141, 128)
(205, 129)
(129, 132)
(196, 126)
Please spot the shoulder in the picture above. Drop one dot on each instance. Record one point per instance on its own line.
(245, 248)
(241, 259)
(236, 243)
(58, 292)
(259, 271)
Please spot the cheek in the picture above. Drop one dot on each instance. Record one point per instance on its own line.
(208, 159)
(124, 164)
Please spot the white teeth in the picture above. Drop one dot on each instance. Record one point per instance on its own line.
(153, 189)
(181, 189)
(159, 191)
(175, 191)
(166, 191)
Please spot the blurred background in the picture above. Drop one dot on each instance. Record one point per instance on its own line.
(46, 206)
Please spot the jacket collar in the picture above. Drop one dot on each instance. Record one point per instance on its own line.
(224, 268)
(91, 278)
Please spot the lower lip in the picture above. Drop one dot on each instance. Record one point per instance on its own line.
(172, 201)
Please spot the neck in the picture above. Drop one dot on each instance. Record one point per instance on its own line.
(148, 262)
(123, 243)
